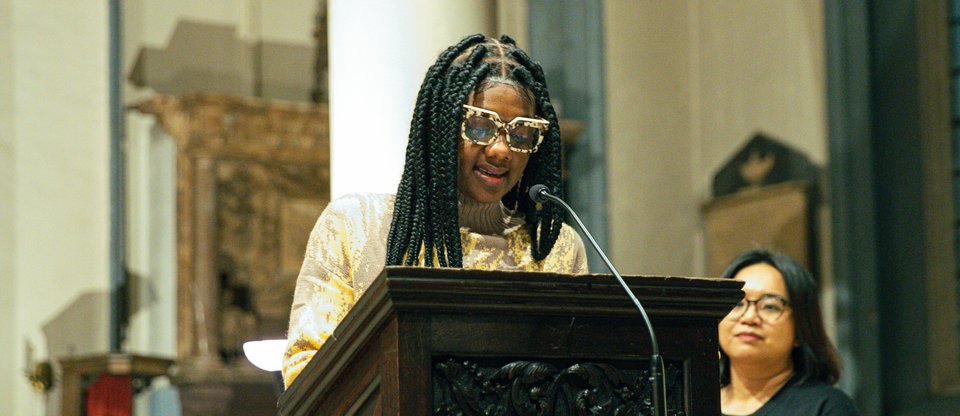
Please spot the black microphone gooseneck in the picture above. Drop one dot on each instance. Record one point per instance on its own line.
(539, 193)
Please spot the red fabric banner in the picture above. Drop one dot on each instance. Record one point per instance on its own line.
(110, 396)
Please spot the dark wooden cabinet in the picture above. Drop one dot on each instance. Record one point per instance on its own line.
(449, 341)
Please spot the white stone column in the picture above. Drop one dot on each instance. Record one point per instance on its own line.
(10, 360)
(60, 195)
(379, 53)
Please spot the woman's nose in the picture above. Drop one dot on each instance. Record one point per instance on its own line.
(750, 314)
(499, 148)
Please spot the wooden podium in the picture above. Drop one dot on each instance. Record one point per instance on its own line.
(427, 341)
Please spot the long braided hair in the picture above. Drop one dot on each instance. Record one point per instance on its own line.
(425, 216)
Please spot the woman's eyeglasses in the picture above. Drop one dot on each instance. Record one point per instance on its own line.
(482, 126)
(769, 307)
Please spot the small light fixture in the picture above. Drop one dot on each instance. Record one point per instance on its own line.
(41, 377)
(266, 354)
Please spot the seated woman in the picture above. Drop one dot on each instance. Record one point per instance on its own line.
(775, 356)
(483, 132)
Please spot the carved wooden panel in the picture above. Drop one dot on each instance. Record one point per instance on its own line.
(481, 387)
(252, 177)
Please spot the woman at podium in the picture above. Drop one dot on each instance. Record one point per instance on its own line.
(775, 357)
(483, 132)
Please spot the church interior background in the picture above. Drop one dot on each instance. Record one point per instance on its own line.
(162, 163)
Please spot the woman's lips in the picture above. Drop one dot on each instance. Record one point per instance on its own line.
(747, 336)
(492, 176)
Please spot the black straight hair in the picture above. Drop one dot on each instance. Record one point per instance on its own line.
(814, 358)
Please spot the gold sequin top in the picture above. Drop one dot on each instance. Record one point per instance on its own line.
(347, 251)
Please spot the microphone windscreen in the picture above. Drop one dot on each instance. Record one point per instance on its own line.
(537, 191)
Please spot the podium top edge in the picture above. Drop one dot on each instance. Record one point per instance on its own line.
(528, 276)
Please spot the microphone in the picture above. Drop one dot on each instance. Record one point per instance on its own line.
(540, 194)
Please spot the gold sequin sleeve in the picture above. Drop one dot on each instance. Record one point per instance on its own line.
(569, 252)
(344, 252)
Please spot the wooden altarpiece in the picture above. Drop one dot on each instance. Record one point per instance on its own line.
(463, 342)
(252, 178)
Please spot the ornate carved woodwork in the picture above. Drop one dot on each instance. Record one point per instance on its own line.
(391, 353)
(252, 177)
(470, 387)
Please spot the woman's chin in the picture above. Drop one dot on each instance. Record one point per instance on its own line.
(481, 194)
(484, 197)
